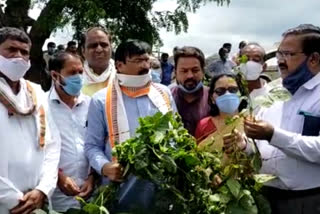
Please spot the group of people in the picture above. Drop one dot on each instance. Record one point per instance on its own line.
(57, 145)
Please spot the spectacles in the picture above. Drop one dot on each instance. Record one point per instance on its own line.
(221, 91)
(287, 54)
(139, 60)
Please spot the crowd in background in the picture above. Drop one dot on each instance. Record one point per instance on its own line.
(56, 145)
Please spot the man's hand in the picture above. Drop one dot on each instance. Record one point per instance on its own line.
(113, 171)
(87, 188)
(259, 129)
(230, 139)
(31, 200)
(67, 185)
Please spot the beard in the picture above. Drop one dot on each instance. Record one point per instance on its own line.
(190, 84)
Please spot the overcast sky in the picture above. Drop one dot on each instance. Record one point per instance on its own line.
(262, 21)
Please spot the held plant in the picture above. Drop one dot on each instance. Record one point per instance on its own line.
(190, 179)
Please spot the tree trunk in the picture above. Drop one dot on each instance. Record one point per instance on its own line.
(41, 30)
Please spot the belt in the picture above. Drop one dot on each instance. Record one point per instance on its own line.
(275, 193)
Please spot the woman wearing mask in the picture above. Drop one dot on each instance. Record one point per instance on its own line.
(224, 100)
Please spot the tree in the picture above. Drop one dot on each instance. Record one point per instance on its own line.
(124, 18)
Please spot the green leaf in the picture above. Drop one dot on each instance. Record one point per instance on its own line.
(234, 187)
(158, 137)
(257, 161)
(263, 178)
(91, 208)
(169, 163)
(247, 202)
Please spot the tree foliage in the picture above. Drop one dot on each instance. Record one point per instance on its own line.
(124, 18)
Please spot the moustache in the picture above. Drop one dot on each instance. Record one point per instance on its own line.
(283, 65)
(143, 71)
(190, 81)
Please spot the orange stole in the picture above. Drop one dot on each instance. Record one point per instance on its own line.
(111, 106)
(42, 116)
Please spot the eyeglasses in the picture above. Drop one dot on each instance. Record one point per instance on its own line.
(287, 54)
(221, 91)
(139, 60)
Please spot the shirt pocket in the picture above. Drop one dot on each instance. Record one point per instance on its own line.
(311, 125)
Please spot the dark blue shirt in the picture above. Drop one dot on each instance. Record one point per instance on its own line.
(167, 69)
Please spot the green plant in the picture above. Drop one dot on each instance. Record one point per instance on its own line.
(164, 153)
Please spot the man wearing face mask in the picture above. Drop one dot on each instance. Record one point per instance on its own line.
(69, 109)
(253, 68)
(29, 150)
(261, 93)
(98, 65)
(288, 132)
(113, 117)
(190, 95)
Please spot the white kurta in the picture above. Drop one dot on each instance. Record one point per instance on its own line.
(25, 166)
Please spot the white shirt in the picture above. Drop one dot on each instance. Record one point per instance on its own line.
(71, 124)
(25, 166)
(293, 158)
(260, 91)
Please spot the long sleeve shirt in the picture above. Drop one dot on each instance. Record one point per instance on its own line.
(71, 124)
(25, 166)
(134, 191)
(292, 157)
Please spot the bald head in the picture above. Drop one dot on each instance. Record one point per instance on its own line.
(254, 52)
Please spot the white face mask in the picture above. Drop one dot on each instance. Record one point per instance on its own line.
(133, 80)
(14, 68)
(251, 70)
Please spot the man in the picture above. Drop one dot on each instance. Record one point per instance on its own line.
(261, 93)
(99, 66)
(60, 48)
(222, 65)
(190, 95)
(51, 49)
(227, 46)
(167, 69)
(113, 117)
(69, 109)
(252, 69)
(29, 153)
(289, 131)
(72, 47)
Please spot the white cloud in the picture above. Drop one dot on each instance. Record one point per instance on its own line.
(253, 20)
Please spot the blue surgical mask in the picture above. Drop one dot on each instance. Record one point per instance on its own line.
(295, 80)
(73, 84)
(187, 91)
(228, 103)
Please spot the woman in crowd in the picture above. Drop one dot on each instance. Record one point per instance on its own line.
(225, 102)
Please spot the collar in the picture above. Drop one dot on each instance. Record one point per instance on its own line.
(311, 84)
(53, 96)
